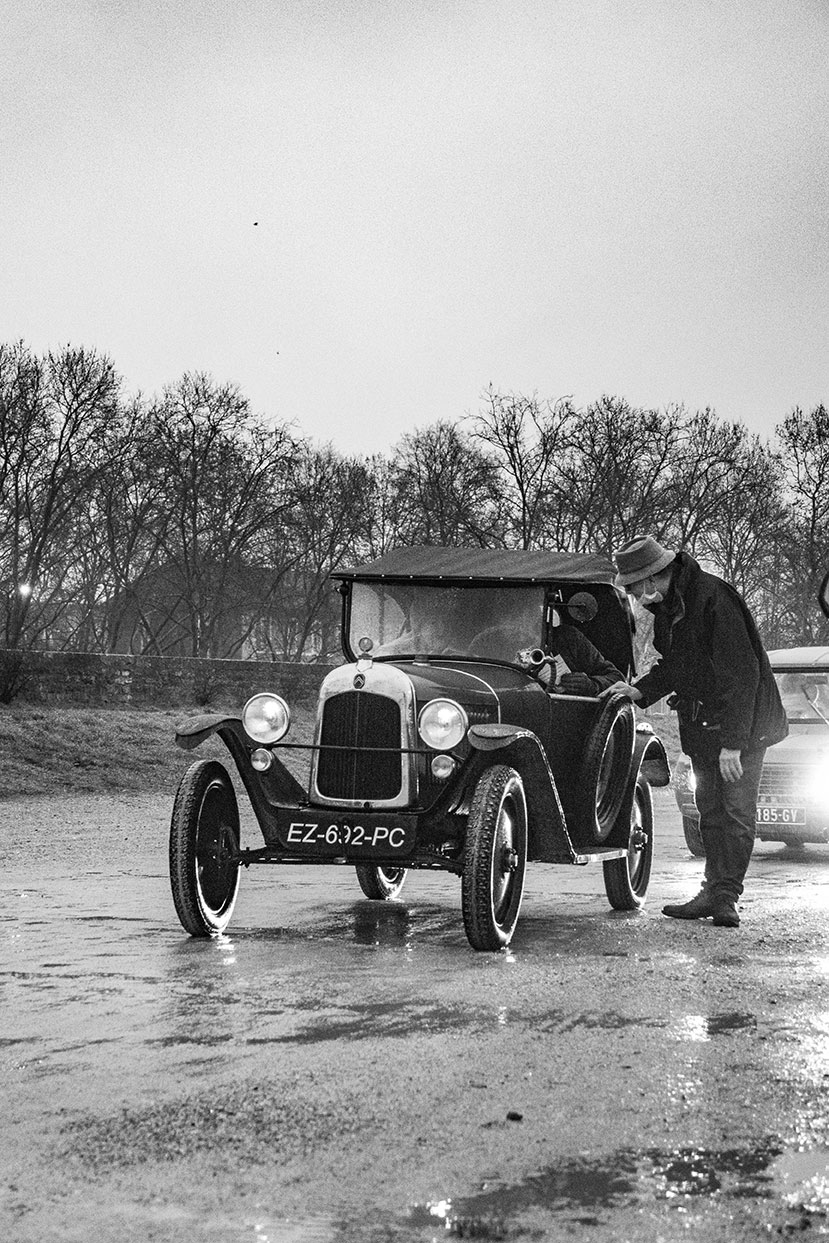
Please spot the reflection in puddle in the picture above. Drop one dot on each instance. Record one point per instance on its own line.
(701, 1027)
(798, 1181)
(382, 923)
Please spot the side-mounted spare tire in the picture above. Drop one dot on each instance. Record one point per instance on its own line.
(604, 770)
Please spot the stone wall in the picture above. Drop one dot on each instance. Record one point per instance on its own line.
(78, 678)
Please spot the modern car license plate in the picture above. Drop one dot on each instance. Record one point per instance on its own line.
(781, 815)
(350, 835)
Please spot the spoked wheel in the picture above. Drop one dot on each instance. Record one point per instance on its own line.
(693, 837)
(495, 859)
(626, 880)
(380, 883)
(204, 849)
(605, 768)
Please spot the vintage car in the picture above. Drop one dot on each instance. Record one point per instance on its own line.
(442, 742)
(793, 802)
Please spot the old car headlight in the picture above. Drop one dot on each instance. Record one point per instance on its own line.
(442, 724)
(266, 718)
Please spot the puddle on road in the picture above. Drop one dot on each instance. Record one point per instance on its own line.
(385, 1018)
(582, 1190)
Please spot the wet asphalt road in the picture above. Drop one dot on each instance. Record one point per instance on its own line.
(341, 1070)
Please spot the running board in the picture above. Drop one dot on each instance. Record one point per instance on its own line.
(600, 854)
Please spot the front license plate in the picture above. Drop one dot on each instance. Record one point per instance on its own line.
(351, 836)
(781, 815)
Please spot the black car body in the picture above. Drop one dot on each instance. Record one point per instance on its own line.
(440, 743)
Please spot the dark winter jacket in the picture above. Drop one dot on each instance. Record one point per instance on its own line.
(581, 656)
(713, 660)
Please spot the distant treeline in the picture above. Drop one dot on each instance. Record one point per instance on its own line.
(185, 525)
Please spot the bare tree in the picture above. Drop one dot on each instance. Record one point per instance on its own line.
(328, 521)
(615, 474)
(226, 478)
(804, 446)
(55, 415)
(447, 490)
(528, 439)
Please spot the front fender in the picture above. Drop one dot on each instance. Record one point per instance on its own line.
(271, 788)
(193, 732)
(548, 838)
(650, 759)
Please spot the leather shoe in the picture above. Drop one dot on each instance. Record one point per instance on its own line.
(725, 913)
(698, 908)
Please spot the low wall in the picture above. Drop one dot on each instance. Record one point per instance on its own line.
(79, 678)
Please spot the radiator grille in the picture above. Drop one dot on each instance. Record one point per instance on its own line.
(784, 784)
(356, 720)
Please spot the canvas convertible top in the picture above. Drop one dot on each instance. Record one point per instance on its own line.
(486, 565)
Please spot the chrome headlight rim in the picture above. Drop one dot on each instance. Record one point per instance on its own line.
(446, 733)
(266, 718)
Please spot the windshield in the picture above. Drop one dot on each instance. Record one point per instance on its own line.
(417, 620)
(805, 694)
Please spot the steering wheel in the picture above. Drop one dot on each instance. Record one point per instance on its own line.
(494, 640)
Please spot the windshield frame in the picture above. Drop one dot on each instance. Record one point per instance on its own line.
(490, 601)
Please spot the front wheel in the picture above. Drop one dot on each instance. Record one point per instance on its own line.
(693, 837)
(204, 849)
(378, 883)
(495, 859)
(626, 880)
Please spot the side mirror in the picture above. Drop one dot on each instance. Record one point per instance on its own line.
(582, 607)
(823, 595)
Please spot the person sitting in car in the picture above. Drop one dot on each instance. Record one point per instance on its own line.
(579, 667)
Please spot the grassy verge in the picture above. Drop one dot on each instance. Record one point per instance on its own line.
(60, 750)
(122, 750)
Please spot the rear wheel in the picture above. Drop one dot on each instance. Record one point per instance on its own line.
(605, 769)
(204, 849)
(495, 859)
(626, 880)
(380, 883)
(693, 837)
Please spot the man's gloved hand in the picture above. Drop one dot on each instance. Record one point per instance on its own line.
(576, 684)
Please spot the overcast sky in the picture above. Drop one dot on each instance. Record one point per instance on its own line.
(365, 212)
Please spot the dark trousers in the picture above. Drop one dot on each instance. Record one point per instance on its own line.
(727, 812)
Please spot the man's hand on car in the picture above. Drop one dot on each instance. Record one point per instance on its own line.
(622, 688)
(576, 684)
(731, 767)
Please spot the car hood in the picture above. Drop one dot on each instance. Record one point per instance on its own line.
(803, 744)
(473, 683)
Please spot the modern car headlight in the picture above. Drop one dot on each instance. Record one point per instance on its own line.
(442, 724)
(685, 775)
(266, 718)
(817, 784)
